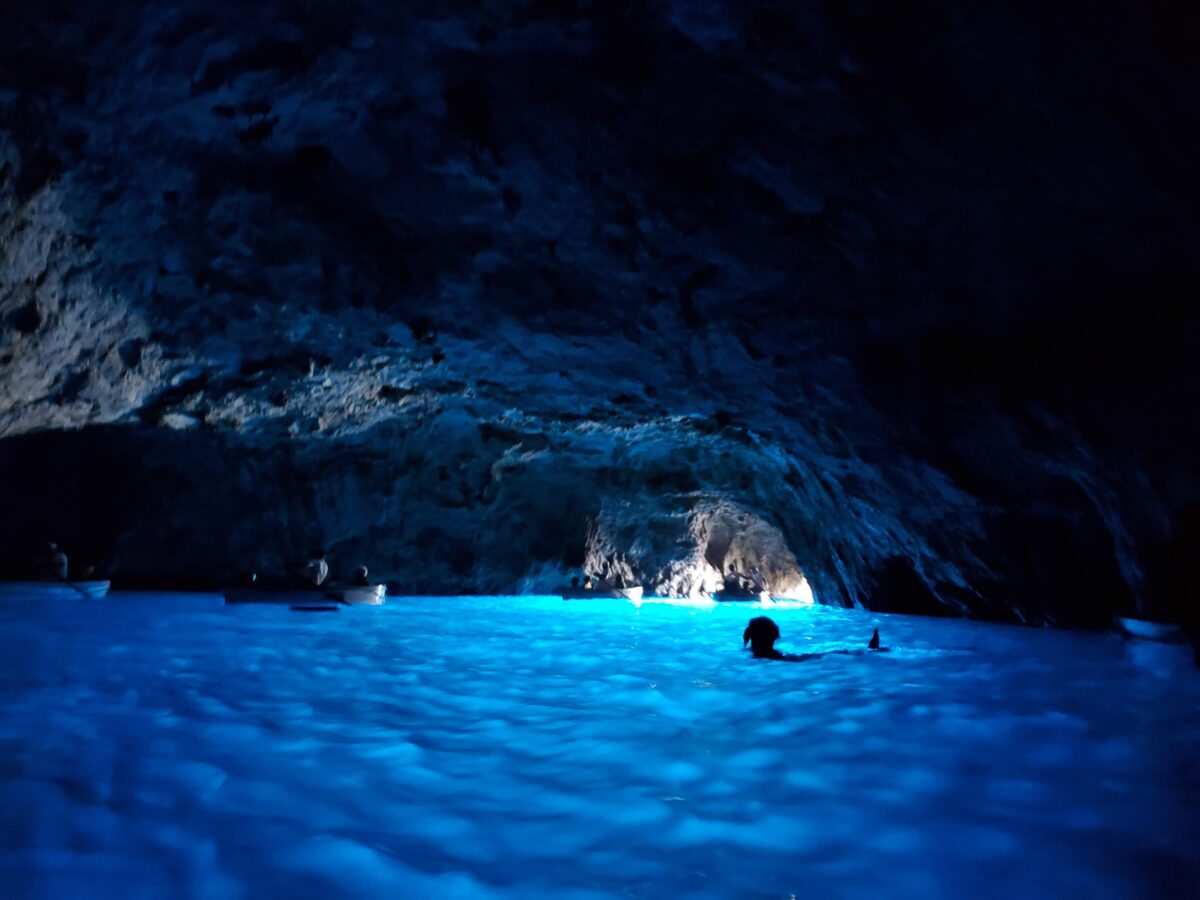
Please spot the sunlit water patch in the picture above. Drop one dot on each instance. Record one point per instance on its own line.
(526, 747)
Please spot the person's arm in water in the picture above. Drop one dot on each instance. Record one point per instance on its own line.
(761, 634)
(805, 657)
(792, 657)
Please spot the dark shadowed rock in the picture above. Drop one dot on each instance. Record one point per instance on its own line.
(896, 305)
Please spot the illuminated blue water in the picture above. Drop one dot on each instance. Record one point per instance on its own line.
(155, 746)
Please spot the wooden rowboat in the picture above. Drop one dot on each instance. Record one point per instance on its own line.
(367, 595)
(55, 590)
(741, 596)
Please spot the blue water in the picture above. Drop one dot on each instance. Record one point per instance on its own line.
(158, 746)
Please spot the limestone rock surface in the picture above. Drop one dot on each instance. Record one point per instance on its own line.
(896, 305)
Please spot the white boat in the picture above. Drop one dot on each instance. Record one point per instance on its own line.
(283, 595)
(1168, 632)
(606, 592)
(362, 595)
(56, 590)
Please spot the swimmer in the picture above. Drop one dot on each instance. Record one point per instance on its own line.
(761, 634)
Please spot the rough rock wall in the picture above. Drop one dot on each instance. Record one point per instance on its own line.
(899, 300)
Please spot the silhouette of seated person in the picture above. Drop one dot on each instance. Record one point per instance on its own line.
(90, 571)
(359, 578)
(761, 634)
(739, 583)
(315, 570)
(601, 583)
(758, 580)
(52, 564)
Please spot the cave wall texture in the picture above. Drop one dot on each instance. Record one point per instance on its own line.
(900, 296)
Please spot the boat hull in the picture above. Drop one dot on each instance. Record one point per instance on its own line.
(365, 595)
(56, 590)
(631, 593)
(1164, 632)
(742, 597)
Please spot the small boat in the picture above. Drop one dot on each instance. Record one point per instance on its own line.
(315, 607)
(360, 595)
(56, 590)
(604, 592)
(307, 595)
(739, 595)
(1164, 632)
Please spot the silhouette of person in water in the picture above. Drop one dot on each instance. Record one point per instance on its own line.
(761, 634)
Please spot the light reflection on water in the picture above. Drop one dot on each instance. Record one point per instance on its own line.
(518, 747)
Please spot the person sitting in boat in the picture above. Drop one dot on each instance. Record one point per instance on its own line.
(761, 634)
(758, 580)
(736, 581)
(587, 583)
(316, 570)
(359, 578)
(52, 565)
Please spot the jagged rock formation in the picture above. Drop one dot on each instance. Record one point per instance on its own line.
(898, 302)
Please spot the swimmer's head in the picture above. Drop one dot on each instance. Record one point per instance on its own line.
(761, 634)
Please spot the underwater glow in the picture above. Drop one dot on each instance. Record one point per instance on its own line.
(531, 747)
